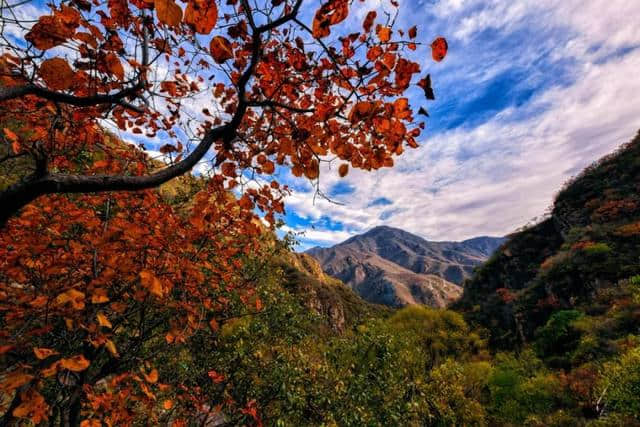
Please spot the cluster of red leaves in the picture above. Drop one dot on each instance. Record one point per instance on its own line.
(632, 229)
(304, 98)
(550, 301)
(506, 295)
(86, 281)
(611, 210)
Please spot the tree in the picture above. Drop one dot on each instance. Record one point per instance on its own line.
(249, 80)
(94, 286)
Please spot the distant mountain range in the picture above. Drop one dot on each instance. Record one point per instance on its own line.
(393, 267)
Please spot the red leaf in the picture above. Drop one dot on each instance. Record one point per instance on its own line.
(439, 49)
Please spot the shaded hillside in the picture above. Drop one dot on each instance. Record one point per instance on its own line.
(336, 303)
(589, 243)
(393, 267)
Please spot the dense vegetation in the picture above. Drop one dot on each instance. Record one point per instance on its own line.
(116, 296)
(568, 290)
(546, 333)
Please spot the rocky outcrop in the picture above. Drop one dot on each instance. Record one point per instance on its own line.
(336, 303)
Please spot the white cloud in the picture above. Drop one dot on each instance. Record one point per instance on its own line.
(495, 177)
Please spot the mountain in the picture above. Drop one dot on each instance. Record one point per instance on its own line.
(578, 260)
(393, 267)
(337, 304)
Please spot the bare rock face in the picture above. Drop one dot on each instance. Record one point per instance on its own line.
(396, 268)
(339, 305)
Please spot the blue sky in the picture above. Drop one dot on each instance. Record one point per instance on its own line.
(530, 93)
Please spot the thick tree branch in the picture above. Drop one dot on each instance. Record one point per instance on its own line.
(275, 104)
(18, 195)
(8, 93)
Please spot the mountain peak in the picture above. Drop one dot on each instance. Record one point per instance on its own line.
(388, 265)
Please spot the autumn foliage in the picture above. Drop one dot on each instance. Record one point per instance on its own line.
(95, 277)
(243, 87)
(93, 286)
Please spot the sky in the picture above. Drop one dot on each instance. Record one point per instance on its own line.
(531, 92)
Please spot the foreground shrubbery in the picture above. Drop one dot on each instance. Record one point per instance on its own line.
(424, 366)
(249, 350)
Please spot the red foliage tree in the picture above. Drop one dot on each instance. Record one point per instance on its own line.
(91, 284)
(250, 81)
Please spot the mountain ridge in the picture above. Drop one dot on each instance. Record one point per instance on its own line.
(391, 266)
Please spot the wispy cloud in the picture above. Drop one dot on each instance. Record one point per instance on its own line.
(531, 93)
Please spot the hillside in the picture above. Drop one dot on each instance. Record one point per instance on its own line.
(393, 267)
(588, 244)
(339, 306)
(284, 343)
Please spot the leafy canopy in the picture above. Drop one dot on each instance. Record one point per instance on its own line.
(94, 286)
(249, 81)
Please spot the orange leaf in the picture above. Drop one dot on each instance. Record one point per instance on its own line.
(114, 66)
(151, 282)
(216, 377)
(368, 21)
(99, 296)
(50, 31)
(112, 348)
(439, 49)
(202, 15)
(103, 321)
(39, 301)
(213, 324)
(43, 353)
(147, 392)
(14, 380)
(168, 12)
(343, 170)
(57, 73)
(76, 363)
(245, 202)
(331, 13)
(51, 370)
(312, 171)
(401, 109)
(13, 138)
(167, 404)
(91, 423)
(151, 377)
(384, 34)
(76, 298)
(413, 32)
(268, 167)
(101, 164)
(362, 110)
(229, 169)
(221, 49)
(32, 406)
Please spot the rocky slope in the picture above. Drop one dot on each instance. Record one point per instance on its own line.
(339, 306)
(396, 268)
